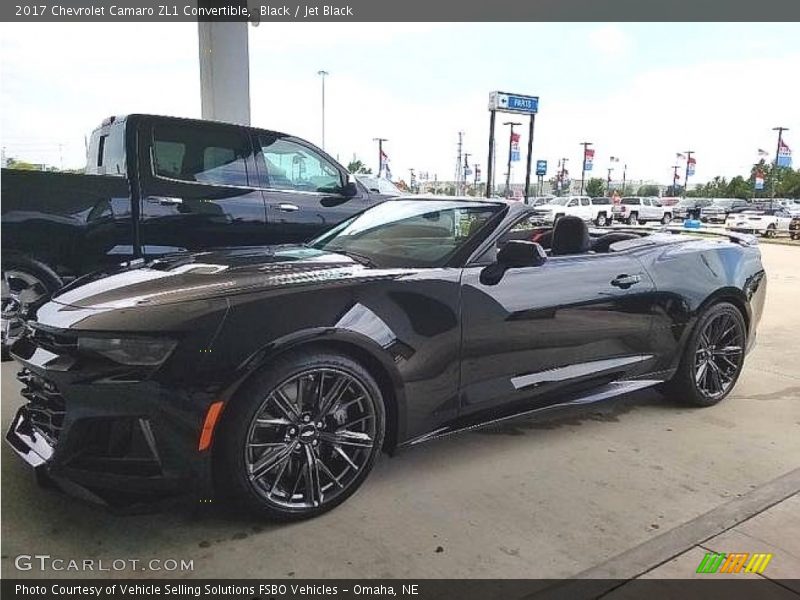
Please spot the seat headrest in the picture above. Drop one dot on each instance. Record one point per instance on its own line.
(570, 236)
(603, 243)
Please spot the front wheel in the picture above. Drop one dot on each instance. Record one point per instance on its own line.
(633, 219)
(601, 220)
(713, 358)
(666, 219)
(26, 283)
(302, 436)
(771, 231)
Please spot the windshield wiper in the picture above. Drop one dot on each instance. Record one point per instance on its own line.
(359, 258)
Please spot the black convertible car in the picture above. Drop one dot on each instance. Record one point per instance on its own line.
(276, 375)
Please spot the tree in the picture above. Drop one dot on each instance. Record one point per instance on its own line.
(739, 188)
(21, 165)
(357, 166)
(648, 190)
(595, 187)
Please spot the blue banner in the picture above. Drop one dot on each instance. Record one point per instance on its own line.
(541, 167)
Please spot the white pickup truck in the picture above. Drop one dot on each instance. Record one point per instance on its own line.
(596, 210)
(767, 222)
(640, 209)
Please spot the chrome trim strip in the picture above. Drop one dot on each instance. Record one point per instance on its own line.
(578, 370)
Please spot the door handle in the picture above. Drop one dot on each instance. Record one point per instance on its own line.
(164, 200)
(625, 281)
(286, 207)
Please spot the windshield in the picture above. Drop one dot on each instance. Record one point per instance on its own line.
(558, 201)
(408, 233)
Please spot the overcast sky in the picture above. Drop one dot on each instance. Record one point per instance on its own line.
(639, 91)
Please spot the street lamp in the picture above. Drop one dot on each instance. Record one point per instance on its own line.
(583, 170)
(323, 74)
(510, 145)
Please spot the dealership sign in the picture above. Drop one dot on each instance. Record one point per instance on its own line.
(514, 103)
(541, 168)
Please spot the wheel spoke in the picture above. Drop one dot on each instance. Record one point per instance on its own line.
(313, 491)
(269, 422)
(345, 457)
(728, 351)
(324, 468)
(271, 459)
(332, 397)
(278, 478)
(343, 437)
(285, 405)
(700, 375)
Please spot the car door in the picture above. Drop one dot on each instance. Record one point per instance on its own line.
(586, 208)
(303, 189)
(197, 190)
(577, 320)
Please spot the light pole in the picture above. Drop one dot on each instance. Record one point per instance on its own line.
(688, 154)
(323, 74)
(608, 181)
(583, 170)
(466, 170)
(674, 177)
(510, 145)
(380, 153)
(624, 176)
(780, 131)
(563, 174)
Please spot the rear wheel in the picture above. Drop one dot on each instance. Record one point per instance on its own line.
(666, 219)
(771, 231)
(713, 357)
(601, 220)
(302, 436)
(25, 284)
(633, 219)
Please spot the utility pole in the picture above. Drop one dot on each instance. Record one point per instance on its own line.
(510, 145)
(608, 183)
(466, 171)
(475, 171)
(780, 131)
(624, 176)
(380, 153)
(583, 170)
(323, 74)
(458, 162)
(688, 154)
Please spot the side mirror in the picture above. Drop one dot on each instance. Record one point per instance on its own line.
(519, 253)
(350, 188)
(513, 254)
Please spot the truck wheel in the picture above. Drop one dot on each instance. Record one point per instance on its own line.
(302, 435)
(666, 219)
(771, 231)
(633, 219)
(26, 283)
(601, 220)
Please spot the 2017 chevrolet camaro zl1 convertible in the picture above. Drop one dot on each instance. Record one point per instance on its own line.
(276, 375)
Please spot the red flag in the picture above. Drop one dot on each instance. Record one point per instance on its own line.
(515, 138)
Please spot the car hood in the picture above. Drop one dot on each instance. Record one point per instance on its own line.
(207, 275)
(549, 207)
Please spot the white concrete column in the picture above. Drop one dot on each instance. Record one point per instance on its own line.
(224, 71)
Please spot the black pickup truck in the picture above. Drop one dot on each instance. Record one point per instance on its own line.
(155, 185)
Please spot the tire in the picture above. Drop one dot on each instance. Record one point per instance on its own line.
(557, 217)
(285, 490)
(601, 220)
(26, 283)
(771, 231)
(666, 219)
(633, 219)
(698, 386)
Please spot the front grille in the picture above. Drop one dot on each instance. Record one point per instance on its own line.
(46, 408)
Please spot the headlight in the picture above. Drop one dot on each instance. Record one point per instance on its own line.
(136, 351)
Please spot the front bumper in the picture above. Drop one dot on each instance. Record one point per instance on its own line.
(107, 438)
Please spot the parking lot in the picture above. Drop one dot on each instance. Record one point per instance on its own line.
(543, 498)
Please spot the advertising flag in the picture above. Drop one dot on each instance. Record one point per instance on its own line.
(762, 152)
(759, 180)
(515, 154)
(588, 159)
(679, 156)
(385, 171)
(614, 159)
(690, 165)
(784, 155)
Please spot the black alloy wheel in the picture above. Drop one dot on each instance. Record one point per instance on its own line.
(306, 435)
(713, 358)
